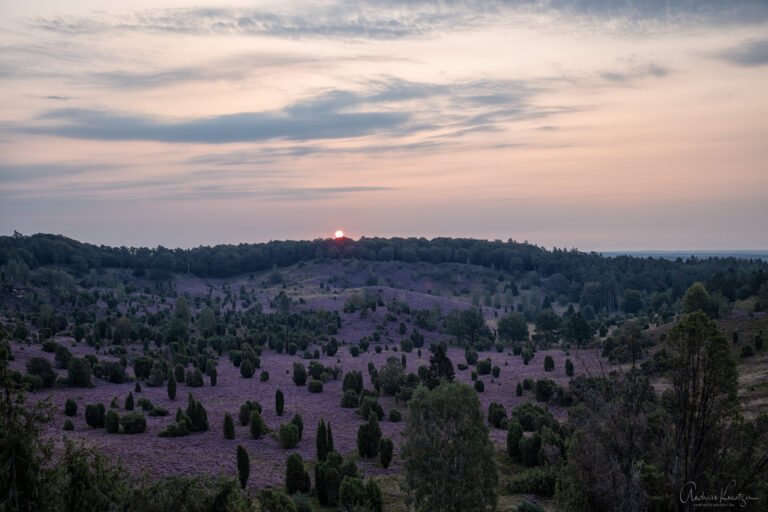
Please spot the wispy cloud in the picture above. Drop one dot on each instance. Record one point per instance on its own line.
(389, 105)
(404, 18)
(35, 172)
(749, 53)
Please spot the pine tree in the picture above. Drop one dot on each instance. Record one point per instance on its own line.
(321, 441)
(329, 443)
(279, 402)
(129, 402)
(229, 427)
(171, 385)
(243, 465)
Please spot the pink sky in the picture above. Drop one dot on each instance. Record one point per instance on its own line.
(569, 123)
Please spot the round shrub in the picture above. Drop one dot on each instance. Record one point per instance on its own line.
(194, 378)
(133, 423)
(549, 364)
(394, 415)
(94, 415)
(264, 377)
(68, 425)
(315, 386)
(42, 368)
(497, 416)
(289, 435)
(246, 369)
(350, 399)
(484, 367)
(70, 407)
(496, 371)
(79, 372)
(479, 386)
(471, 356)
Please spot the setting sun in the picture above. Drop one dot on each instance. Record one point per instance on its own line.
(338, 234)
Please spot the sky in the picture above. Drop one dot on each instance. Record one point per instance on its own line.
(594, 124)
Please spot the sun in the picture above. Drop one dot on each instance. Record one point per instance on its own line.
(338, 234)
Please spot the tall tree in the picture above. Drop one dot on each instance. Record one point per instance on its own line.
(447, 454)
(704, 398)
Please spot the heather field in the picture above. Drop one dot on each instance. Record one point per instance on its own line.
(148, 453)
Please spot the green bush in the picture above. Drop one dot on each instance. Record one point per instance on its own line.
(549, 364)
(471, 356)
(386, 449)
(484, 367)
(246, 369)
(112, 422)
(370, 404)
(394, 415)
(519, 389)
(129, 402)
(532, 417)
(279, 402)
(42, 368)
(479, 386)
(94, 415)
(299, 374)
(353, 380)
(197, 415)
(275, 500)
(529, 449)
(514, 435)
(142, 366)
(258, 427)
(497, 415)
(68, 425)
(368, 437)
(79, 372)
(540, 481)
(133, 423)
(158, 412)
(289, 435)
(243, 466)
(70, 407)
(544, 390)
(194, 378)
(299, 422)
(568, 368)
(264, 376)
(350, 399)
(496, 371)
(229, 427)
(296, 477)
(315, 386)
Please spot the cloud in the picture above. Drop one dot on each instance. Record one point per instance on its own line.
(749, 53)
(389, 106)
(35, 172)
(635, 73)
(395, 19)
(322, 117)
